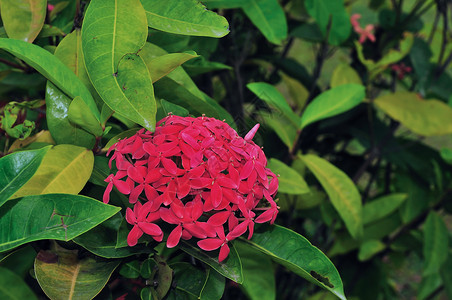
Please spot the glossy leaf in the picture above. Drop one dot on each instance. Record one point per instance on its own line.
(64, 169)
(41, 137)
(280, 125)
(344, 74)
(57, 102)
(163, 65)
(268, 16)
(23, 19)
(19, 261)
(108, 43)
(12, 287)
(273, 97)
(16, 169)
(325, 10)
(79, 114)
(423, 117)
(384, 206)
(101, 240)
(41, 217)
(188, 17)
(63, 275)
(296, 253)
(230, 268)
(164, 277)
(333, 102)
(190, 279)
(341, 190)
(258, 274)
(290, 181)
(214, 286)
(436, 246)
(51, 68)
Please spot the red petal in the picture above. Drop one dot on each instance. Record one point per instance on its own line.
(106, 197)
(174, 237)
(216, 195)
(195, 230)
(210, 244)
(169, 165)
(265, 217)
(249, 136)
(177, 209)
(247, 169)
(208, 229)
(136, 192)
(153, 175)
(150, 228)
(224, 252)
(190, 140)
(130, 216)
(136, 173)
(219, 219)
(168, 216)
(133, 236)
(122, 186)
(251, 230)
(237, 231)
(227, 182)
(150, 192)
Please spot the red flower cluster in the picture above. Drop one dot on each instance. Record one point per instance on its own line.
(197, 174)
(401, 69)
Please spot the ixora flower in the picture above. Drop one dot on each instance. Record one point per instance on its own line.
(197, 175)
(364, 33)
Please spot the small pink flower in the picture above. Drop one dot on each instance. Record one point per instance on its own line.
(401, 69)
(364, 34)
(50, 7)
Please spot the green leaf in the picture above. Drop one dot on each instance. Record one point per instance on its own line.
(214, 286)
(296, 253)
(23, 19)
(436, 237)
(163, 65)
(189, 17)
(369, 248)
(64, 169)
(423, 117)
(325, 10)
(41, 217)
(446, 155)
(268, 16)
(172, 108)
(230, 268)
(57, 115)
(224, 3)
(333, 102)
(16, 169)
(273, 97)
(108, 44)
(341, 190)
(281, 126)
(258, 274)
(189, 279)
(101, 240)
(384, 206)
(446, 275)
(51, 68)
(164, 277)
(122, 135)
(80, 115)
(19, 261)
(200, 66)
(130, 269)
(12, 287)
(290, 181)
(62, 275)
(57, 103)
(344, 74)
